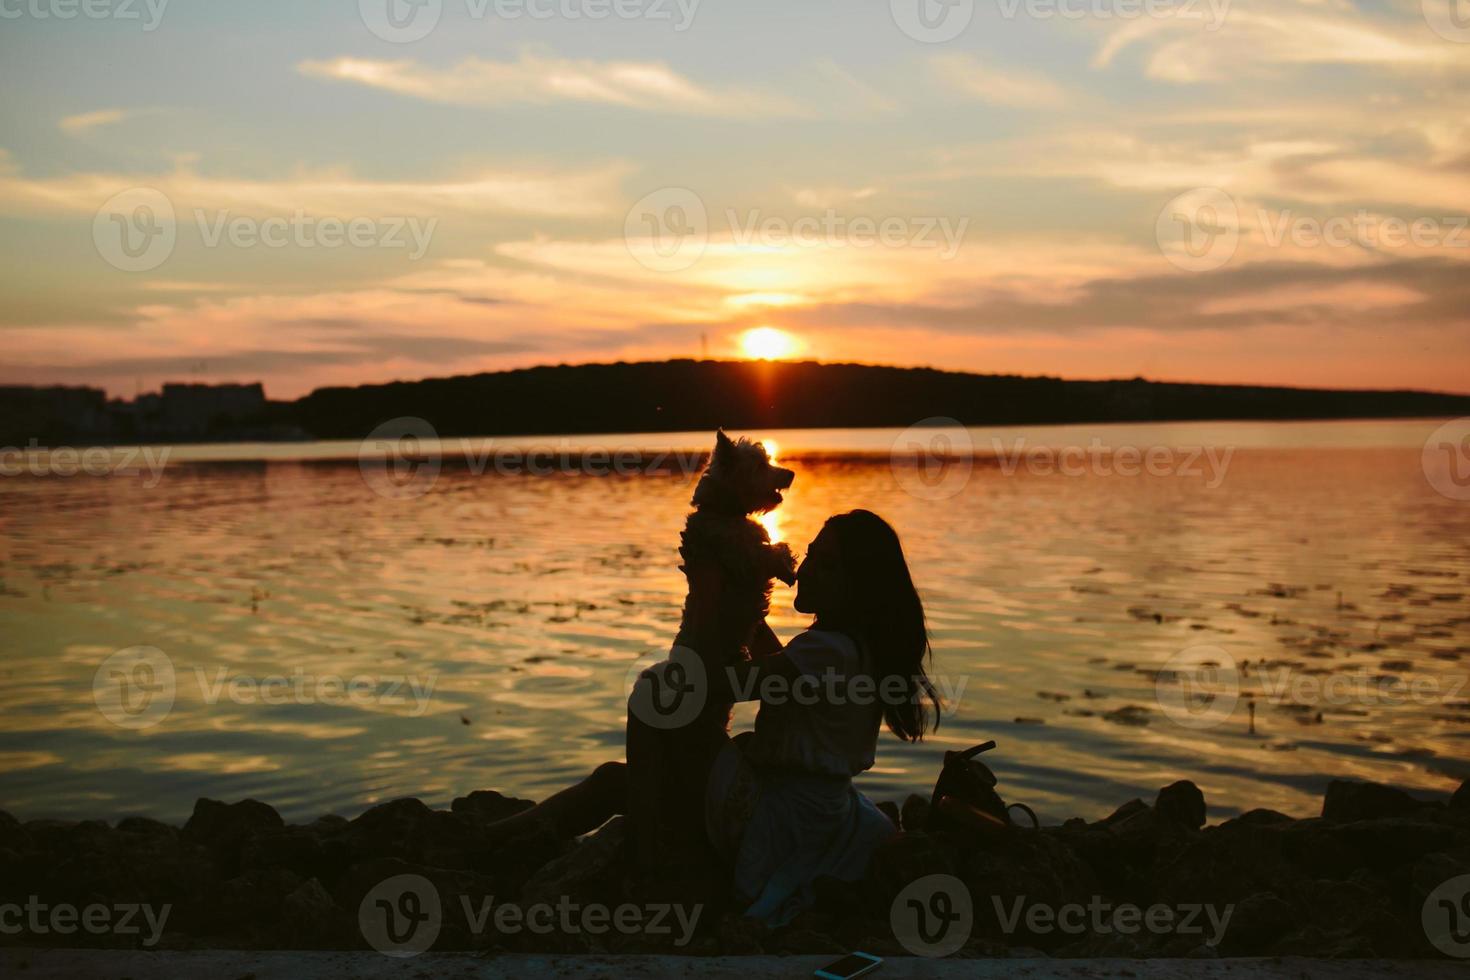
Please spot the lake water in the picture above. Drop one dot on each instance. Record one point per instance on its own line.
(1317, 557)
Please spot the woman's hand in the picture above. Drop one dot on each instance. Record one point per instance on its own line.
(763, 641)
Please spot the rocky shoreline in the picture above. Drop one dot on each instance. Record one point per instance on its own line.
(1351, 883)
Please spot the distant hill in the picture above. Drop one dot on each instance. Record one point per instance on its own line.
(669, 396)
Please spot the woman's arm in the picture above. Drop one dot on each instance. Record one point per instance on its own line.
(763, 641)
(743, 681)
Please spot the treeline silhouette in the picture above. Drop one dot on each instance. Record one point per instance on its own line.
(681, 395)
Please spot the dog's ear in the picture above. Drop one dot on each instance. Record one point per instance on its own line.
(722, 443)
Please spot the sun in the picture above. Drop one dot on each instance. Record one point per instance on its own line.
(767, 344)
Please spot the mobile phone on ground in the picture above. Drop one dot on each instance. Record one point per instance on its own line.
(851, 965)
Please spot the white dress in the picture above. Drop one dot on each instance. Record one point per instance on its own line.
(781, 804)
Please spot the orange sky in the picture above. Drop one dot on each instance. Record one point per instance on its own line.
(1270, 192)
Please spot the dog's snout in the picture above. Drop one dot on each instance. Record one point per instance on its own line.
(784, 477)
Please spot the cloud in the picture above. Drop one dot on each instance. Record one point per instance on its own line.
(1004, 87)
(646, 85)
(87, 121)
(1262, 38)
(568, 193)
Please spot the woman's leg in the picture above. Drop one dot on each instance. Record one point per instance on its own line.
(576, 810)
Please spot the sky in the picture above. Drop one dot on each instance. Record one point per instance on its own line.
(355, 191)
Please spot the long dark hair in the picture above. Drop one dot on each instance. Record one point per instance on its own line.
(881, 604)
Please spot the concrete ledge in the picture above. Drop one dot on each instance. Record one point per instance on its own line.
(68, 964)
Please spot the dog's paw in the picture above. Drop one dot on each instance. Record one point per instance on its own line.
(784, 563)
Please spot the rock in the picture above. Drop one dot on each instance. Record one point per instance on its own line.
(312, 919)
(391, 821)
(409, 830)
(1181, 804)
(890, 810)
(454, 889)
(740, 936)
(223, 828)
(254, 898)
(489, 806)
(1433, 870)
(1133, 817)
(145, 827)
(1390, 843)
(1031, 868)
(1350, 800)
(1460, 802)
(905, 858)
(214, 821)
(311, 851)
(590, 871)
(915, 813)
(1256, 922)
(1262, 818)
(1122, 813)
(1137, 823)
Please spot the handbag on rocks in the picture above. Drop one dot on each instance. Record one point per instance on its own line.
(965, 798)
